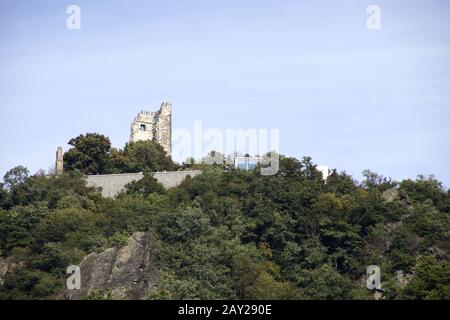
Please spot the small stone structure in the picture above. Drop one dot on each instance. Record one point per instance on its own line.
(154, 126)
(59, 163)
(113, 184)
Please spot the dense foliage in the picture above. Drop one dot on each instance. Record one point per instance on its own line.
(229, 234)
(92, 154)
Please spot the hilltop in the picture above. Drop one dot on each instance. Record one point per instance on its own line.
(224, 234)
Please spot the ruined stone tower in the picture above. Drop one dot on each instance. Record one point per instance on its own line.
(154, 126)
(59, 163)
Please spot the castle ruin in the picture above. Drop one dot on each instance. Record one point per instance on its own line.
(154, 126)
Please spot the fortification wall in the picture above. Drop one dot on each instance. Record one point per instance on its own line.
(113, 184)
(174, 178)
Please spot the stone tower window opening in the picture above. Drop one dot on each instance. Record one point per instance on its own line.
(154, 126)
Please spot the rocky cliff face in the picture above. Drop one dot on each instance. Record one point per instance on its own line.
(7, 265)
(127, 272)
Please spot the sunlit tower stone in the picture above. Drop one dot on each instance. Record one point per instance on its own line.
(154, 126)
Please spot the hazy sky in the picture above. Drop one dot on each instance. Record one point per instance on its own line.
(349, 97)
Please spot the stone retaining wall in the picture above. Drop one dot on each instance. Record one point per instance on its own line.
(113, 184)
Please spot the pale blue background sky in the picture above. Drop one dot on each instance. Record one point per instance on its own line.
(348, 97)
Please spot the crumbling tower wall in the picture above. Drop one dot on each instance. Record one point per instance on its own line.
(154, 126)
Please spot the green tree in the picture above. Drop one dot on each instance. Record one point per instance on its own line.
(145, 186)
(90, 154)
(119, 161)
(18, 225)
(28, 284)
(324, 283)
(431, 280)
(16, 176)
(3, 196)
(423, 189)
(147, 156)
(341, 183)
(374, 180)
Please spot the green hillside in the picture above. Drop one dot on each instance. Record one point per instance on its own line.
(230, 234)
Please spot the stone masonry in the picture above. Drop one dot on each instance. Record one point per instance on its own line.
(59, 163)
(113, 184)
(154, 126)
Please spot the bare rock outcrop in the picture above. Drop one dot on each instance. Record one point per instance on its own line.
(7, 265)
(390, 195)
(128, 272)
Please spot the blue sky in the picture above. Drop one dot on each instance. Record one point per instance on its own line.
(349, 97)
